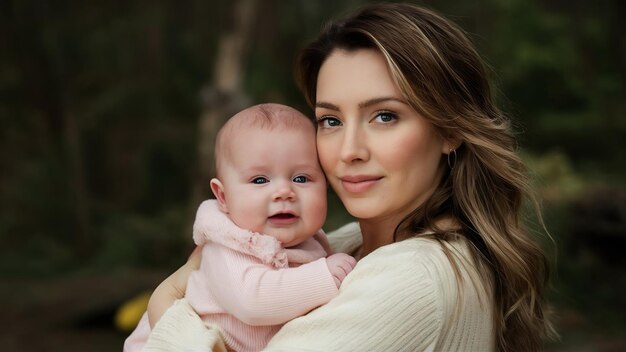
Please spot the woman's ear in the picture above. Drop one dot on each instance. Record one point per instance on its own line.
(450, 144)
(218, 190)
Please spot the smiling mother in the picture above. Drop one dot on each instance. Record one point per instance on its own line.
(381, 156)
(411, 141)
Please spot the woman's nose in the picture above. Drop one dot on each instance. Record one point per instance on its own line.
(284, 192)
(354, 145)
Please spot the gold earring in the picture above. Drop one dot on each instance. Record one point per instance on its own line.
(452, 163)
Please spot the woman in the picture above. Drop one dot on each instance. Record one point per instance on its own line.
(411, 141)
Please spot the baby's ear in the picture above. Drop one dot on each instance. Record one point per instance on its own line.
(218, 190)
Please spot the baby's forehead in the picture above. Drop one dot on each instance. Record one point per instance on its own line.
(268, 116)
(263, 126)
(268, 121)
(265, 119)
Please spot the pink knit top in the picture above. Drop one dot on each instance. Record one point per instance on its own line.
(248, 285)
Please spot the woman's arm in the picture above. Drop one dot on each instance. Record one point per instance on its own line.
(389, 302)
(406, 296)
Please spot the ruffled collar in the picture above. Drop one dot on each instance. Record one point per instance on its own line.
(213, 225)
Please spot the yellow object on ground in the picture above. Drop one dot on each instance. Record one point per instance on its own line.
(129, 313)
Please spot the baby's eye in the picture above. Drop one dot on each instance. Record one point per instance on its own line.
(300, 179)
(260, 180)
(385, 117)
(327, 122)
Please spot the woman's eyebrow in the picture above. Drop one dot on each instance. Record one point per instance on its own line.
(375, 101)
(364, 104)
(325, 105)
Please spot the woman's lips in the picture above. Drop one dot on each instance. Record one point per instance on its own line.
(359, 184)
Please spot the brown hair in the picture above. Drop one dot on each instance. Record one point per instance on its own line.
(443, 78)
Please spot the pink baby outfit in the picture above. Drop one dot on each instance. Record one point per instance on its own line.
(248, 285)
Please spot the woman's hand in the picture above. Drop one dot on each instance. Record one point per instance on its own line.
(172, 288)
(178, 280)
(193, 263)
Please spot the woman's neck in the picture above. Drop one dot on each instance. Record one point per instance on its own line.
(376, 233)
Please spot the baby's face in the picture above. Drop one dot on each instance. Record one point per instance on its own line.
(273, 183)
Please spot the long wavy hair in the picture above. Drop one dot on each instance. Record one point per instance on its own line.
(444, 79)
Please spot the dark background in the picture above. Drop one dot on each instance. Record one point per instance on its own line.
(106, 106)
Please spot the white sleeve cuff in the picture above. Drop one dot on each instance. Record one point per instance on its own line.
(181, 329)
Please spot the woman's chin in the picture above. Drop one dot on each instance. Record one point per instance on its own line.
(362, 209)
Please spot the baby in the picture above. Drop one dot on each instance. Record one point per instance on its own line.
(265, 259)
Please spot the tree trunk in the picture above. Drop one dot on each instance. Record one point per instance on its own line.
(223, 97)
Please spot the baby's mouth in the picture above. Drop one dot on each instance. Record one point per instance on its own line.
(282, 216)
(283, 219)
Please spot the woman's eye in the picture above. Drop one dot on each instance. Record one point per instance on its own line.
(327, 122)
(260, 180)
(300, 179)
(385, 117)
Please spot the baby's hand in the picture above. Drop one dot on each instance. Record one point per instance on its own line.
(340, 265)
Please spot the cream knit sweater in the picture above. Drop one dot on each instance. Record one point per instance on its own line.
(401, 297)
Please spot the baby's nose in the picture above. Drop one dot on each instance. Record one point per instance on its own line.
(284, 192)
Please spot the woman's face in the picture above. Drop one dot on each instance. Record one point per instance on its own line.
(380, 156)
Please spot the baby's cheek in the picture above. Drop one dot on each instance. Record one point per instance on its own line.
(319, 207)
(248, 215)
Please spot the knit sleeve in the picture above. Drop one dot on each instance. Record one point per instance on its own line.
(346, 239)
(389, 302)
(261, 295)
(181, 329)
